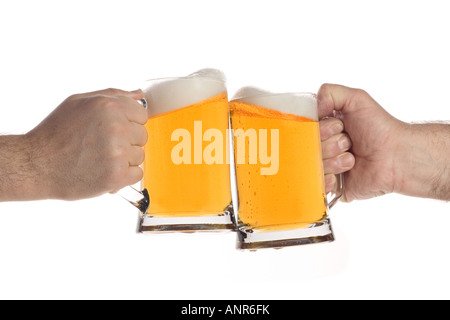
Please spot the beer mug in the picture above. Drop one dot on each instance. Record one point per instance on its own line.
(279, 170)
(186, 185)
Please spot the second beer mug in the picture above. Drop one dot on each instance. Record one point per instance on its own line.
(186, 172)
(279, 171)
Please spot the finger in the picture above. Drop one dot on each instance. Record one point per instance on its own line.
(336, 145)
(336, 165)
(135, 174)
(136, 156)
(134, 111)
(330, 127)
(333, 97)
(330, 183)
(138, 134)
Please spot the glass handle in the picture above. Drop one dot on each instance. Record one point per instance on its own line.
(144, 103)
(139, 199)
(339, 191)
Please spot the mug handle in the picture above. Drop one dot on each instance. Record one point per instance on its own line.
(339, 191)
(139, 199)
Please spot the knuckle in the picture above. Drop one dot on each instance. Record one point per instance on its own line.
(139, 135)
(114, 154)
(113, 91)
(111, 103)
(101, 103)
(115, 174)
(73, 97)
(143, 115)
(325, 87)
(117, 153)
(137, 156)
(136, 175)
(137, 112)
(361, 94)
(114, 129)
(98, 98)
(142, 155)
(105, 101)
(139, 174)
(144, 136)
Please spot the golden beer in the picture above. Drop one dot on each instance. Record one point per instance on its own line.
(288, 206)
(187, 191)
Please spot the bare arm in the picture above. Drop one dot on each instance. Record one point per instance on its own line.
(17, 176)
(90, 145)
(378, 153)
(423, 161)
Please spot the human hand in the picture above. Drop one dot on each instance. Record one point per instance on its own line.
(90, 145)
(359, 138)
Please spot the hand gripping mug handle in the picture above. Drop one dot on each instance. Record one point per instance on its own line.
(139, 199)
(339, 191)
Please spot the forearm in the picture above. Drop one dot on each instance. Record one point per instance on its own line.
(423, 161)
(18, 179)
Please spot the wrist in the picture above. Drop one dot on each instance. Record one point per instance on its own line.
(418, 161)
(402, 158)
(38, 184)
(18, 180)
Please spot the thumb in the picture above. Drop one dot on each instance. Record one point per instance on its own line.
(333, 97)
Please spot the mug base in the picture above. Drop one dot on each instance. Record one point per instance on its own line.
(254, 239)
(222, 221)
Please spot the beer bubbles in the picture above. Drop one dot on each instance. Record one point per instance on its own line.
(299, 104)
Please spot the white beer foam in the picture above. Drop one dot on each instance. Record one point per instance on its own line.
(170, 94)
(209, 73)
(300, 104)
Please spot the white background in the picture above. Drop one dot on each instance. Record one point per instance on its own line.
(390, 247)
